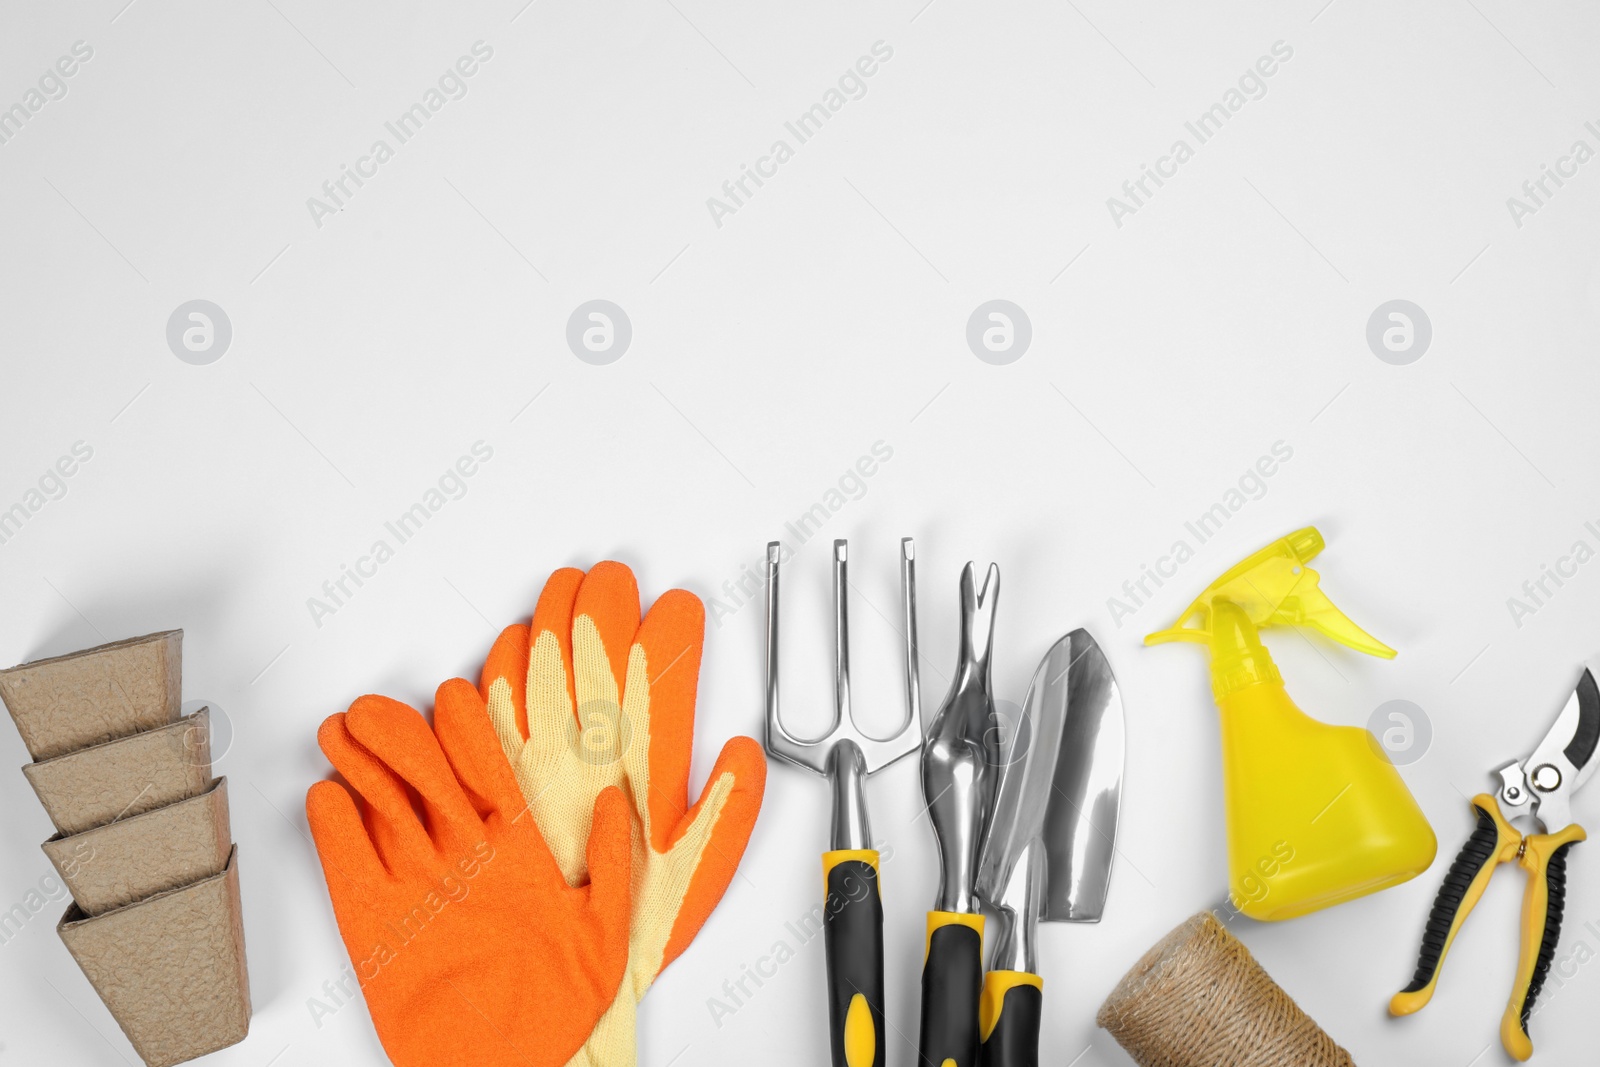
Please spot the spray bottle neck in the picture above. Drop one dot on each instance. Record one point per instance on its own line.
(1238, 658)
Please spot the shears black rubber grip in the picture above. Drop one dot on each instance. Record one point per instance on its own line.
(1473, 858)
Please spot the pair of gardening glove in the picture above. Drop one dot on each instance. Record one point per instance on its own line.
(527, 867)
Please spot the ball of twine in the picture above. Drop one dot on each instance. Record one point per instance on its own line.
(1199, 999)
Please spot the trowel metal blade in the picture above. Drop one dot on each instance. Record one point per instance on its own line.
(1026, 771)
(1080, 820)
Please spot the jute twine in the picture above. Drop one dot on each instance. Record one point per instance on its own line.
(1199, 999)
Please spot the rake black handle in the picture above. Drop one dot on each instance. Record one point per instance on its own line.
(852, 925)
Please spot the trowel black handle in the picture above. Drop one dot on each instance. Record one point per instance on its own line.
(852, 922)
(952, 980)
(1009, 1014)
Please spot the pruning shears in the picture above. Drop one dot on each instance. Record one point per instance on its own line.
(1539, 788)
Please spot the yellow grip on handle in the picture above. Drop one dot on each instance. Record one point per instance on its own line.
(937, 919)
(1541, 928)
(1493, 842)
(995, 986)
(833, 858)
(860, 1034)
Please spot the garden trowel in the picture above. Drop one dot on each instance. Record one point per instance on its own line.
(1051, 835)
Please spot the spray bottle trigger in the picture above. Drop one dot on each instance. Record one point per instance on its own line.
(1275, 587)
(1311, 607)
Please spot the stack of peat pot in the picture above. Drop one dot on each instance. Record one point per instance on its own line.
(143, 841)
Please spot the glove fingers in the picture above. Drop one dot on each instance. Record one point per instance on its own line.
(610, 859)
(548, 664)
(474, 752)
(725, 814)
(672, 637)
(504, 687)
(349, 862)
(398, 735)
(609, 600)
(391, 822)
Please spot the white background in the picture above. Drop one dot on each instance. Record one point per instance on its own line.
(768, 354)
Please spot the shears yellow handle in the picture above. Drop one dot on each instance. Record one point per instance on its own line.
(1495, 841)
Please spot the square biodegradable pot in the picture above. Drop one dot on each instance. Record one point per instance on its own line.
(130, 859)
(171, 968)
(126, 777)
(100, 694)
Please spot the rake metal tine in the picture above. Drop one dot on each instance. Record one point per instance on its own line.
(772, 633)
(815, 754)
(811, 755)
(776, 735)
(841, 636)
(879, 752)
(912, 730)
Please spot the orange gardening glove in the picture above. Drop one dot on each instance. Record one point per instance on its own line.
(589, 698)
(471, 948)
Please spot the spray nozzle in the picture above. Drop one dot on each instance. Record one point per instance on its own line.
(1274, 587)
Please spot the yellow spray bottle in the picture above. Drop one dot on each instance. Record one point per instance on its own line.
(1316, 814)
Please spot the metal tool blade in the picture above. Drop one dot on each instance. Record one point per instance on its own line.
(1080, 821)
(1027, 767)
(1566, 757)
